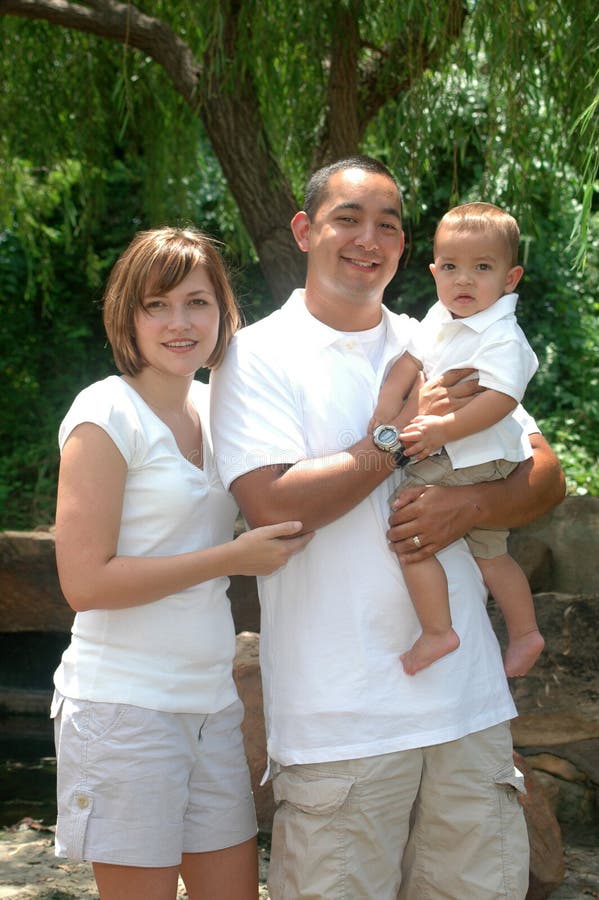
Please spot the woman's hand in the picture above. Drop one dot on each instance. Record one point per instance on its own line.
(264, 550)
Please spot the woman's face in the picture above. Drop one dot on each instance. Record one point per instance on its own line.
(177, 331)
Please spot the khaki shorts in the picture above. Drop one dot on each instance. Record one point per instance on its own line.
(450, 812)
(484, 543)
(138, 787)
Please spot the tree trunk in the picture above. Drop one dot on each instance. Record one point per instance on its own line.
(260, 189)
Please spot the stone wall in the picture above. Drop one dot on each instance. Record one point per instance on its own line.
(558, 553)
(557, 730)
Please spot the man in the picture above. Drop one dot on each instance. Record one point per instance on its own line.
(386, 785)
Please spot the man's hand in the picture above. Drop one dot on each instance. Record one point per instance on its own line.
(447, 393)
(437, 516)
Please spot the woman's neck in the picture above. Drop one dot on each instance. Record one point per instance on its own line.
(162, 394)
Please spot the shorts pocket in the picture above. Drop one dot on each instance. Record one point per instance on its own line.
(509, 783)
(511, 780)
(71, 828)
(318, 796)
(93, 720)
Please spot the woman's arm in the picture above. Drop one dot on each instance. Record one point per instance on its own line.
(88, 515)
(441, 515)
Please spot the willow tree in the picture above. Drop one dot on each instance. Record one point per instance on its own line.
(280, 87)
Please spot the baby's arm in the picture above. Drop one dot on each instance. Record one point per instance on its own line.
(425, 434)
(395, 389)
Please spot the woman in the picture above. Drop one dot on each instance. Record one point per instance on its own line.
(152, 778)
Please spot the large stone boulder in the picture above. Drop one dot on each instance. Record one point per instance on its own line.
(557, 729)
(30, 595)
(544, 835)
(571, 533)
(249, 685)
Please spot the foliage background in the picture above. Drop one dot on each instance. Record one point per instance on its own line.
(95, 144)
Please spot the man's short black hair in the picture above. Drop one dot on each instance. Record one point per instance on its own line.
(316, 189)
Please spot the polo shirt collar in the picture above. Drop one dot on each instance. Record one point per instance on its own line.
(312, 329)
(480, 321)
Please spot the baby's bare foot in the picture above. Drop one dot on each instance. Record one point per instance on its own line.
(522, 653)
(428, 649)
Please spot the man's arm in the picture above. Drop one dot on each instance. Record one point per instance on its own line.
(441, 515)
(319, 490)
(322, 489)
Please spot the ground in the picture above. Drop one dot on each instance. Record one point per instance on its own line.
(29, 869)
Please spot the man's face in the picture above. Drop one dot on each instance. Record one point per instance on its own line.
(355, 240)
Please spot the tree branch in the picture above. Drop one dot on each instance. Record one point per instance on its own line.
(223, 95)
(383, 78)
(123, 23)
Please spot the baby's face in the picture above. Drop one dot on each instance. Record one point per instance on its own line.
(472, 271)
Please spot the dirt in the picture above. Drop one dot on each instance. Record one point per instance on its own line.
(29, 869)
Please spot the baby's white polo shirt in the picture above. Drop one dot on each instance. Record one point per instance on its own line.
(493, 343)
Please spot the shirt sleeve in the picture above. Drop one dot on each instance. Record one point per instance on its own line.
(525, 420)
(254, 410)
(506, 366)
(103, 404)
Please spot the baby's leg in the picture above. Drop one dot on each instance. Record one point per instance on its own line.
(509, 586)
(427, 584)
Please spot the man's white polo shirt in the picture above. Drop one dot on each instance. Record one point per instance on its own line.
(337, 617)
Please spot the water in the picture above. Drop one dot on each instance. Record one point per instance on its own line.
(27, 770)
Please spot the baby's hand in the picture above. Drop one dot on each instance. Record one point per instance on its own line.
(425, 434)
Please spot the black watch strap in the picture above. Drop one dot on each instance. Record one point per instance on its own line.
(399, 458)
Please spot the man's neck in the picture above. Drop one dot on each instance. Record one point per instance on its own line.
(343, 314)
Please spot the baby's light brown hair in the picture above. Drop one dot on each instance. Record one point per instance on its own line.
(481, 218)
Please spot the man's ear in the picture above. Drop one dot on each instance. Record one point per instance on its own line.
(300, 226)
(513, 277)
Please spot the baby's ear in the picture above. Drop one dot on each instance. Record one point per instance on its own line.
(513, 277)
(433, 270)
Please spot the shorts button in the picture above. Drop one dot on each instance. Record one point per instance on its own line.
(82, 801)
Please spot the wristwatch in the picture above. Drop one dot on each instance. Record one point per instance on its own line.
(386, 437)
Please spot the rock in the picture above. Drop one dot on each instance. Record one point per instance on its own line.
(535, 558)
(31, 599)
(30, 595)
(249, 684)
(546, 849)
(558, 701)
(570, 531)
(245, 606)
(554, 765)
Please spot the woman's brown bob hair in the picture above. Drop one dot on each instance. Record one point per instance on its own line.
(157, 261)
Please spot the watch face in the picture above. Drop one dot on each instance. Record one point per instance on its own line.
(387, 435)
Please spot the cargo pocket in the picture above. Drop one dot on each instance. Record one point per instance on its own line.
(316, 795)
(309, 855)
(512, 781)
(509, 783)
